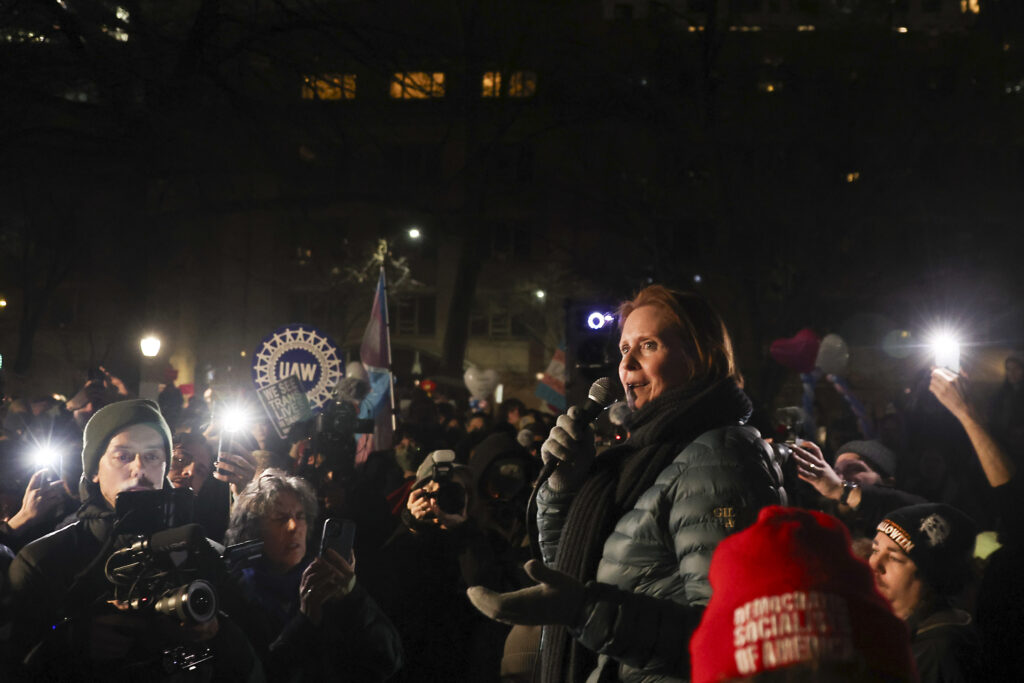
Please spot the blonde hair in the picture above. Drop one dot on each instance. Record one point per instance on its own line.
(708, 344)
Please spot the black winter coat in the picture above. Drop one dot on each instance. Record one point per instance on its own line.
(52, 611)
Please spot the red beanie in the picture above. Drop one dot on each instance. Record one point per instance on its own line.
(787, 591)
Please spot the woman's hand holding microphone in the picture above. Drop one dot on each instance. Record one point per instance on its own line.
(570, 450)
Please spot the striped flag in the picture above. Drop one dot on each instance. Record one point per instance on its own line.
(551, 388)
(375, 354)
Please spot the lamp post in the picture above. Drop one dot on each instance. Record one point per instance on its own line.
(150, 346)
(148, 386)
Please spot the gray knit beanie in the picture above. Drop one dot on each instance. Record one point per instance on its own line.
(108, 421)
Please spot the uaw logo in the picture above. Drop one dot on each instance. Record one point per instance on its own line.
(304, 352)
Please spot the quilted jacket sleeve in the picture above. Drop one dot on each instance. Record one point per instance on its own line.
(552, 509)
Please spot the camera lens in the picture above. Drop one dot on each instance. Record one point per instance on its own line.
(201, 601)
(194, 602)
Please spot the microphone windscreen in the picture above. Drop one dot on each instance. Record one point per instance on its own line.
(178, 538)
(605, 391)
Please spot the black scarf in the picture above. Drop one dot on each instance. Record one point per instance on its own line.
(659, 431)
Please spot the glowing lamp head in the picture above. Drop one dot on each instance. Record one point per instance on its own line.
(414, 233)
(150, 346)
(235, 419)
(946, 348)
(45, 456)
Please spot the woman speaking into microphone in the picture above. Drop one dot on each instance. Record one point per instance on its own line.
(627, 536)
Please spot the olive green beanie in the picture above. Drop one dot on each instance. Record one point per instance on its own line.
(108, 421)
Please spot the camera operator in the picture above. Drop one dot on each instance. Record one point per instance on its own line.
(65, 625)
(445, 639)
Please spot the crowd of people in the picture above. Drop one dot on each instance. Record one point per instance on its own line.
(162, 545)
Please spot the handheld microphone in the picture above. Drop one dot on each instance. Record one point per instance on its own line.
(602, 394)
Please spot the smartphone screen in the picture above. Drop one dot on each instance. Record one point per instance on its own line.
(339, 535)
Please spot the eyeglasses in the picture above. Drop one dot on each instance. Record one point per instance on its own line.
(125, 458)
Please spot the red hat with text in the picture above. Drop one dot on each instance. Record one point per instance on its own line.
(788, 592)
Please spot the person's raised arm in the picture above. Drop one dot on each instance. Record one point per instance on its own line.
(950, 389)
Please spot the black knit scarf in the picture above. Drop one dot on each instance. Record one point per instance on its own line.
(658, 432)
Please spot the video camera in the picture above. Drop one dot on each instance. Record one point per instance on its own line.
(170, 568)
(333, 434)
(161, 572)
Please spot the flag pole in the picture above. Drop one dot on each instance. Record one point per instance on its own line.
(387, 336)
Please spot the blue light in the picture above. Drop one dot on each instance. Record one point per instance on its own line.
(597, 320)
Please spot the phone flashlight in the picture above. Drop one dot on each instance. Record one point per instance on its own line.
(234, 420)
(947, 351)
(45, 456)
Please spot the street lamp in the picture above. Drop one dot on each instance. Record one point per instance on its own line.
(150, 346)
(414, 233)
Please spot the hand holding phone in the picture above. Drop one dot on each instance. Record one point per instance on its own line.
(339, 535)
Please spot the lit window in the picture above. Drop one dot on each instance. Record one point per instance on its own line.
(971, 6)
(492, 84)
(522, 84)
(118, 34)
(853, 177)
(20, 35)
(329, 87)
(417, 85)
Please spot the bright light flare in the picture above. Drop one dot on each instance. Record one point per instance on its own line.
(235, 419)
(45, 456)
(946, 348)
(150, 346)
(414, 233)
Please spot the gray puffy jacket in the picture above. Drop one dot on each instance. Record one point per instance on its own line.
(652, 580)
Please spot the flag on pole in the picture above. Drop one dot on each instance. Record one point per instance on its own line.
(551, 388)
(375, 354)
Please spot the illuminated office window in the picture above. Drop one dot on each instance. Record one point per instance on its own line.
(329, 87)
(522, 84)
(491, 84)
(417, 85)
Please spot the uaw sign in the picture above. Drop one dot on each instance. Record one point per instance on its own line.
(303, 352)
(285, 404)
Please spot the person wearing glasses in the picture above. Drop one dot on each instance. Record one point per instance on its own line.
(64, 624)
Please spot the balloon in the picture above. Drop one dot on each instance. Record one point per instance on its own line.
(798, 352)
(833, 355)
(898, 344)
(481, 383)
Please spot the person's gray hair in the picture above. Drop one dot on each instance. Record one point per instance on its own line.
(258, 500)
